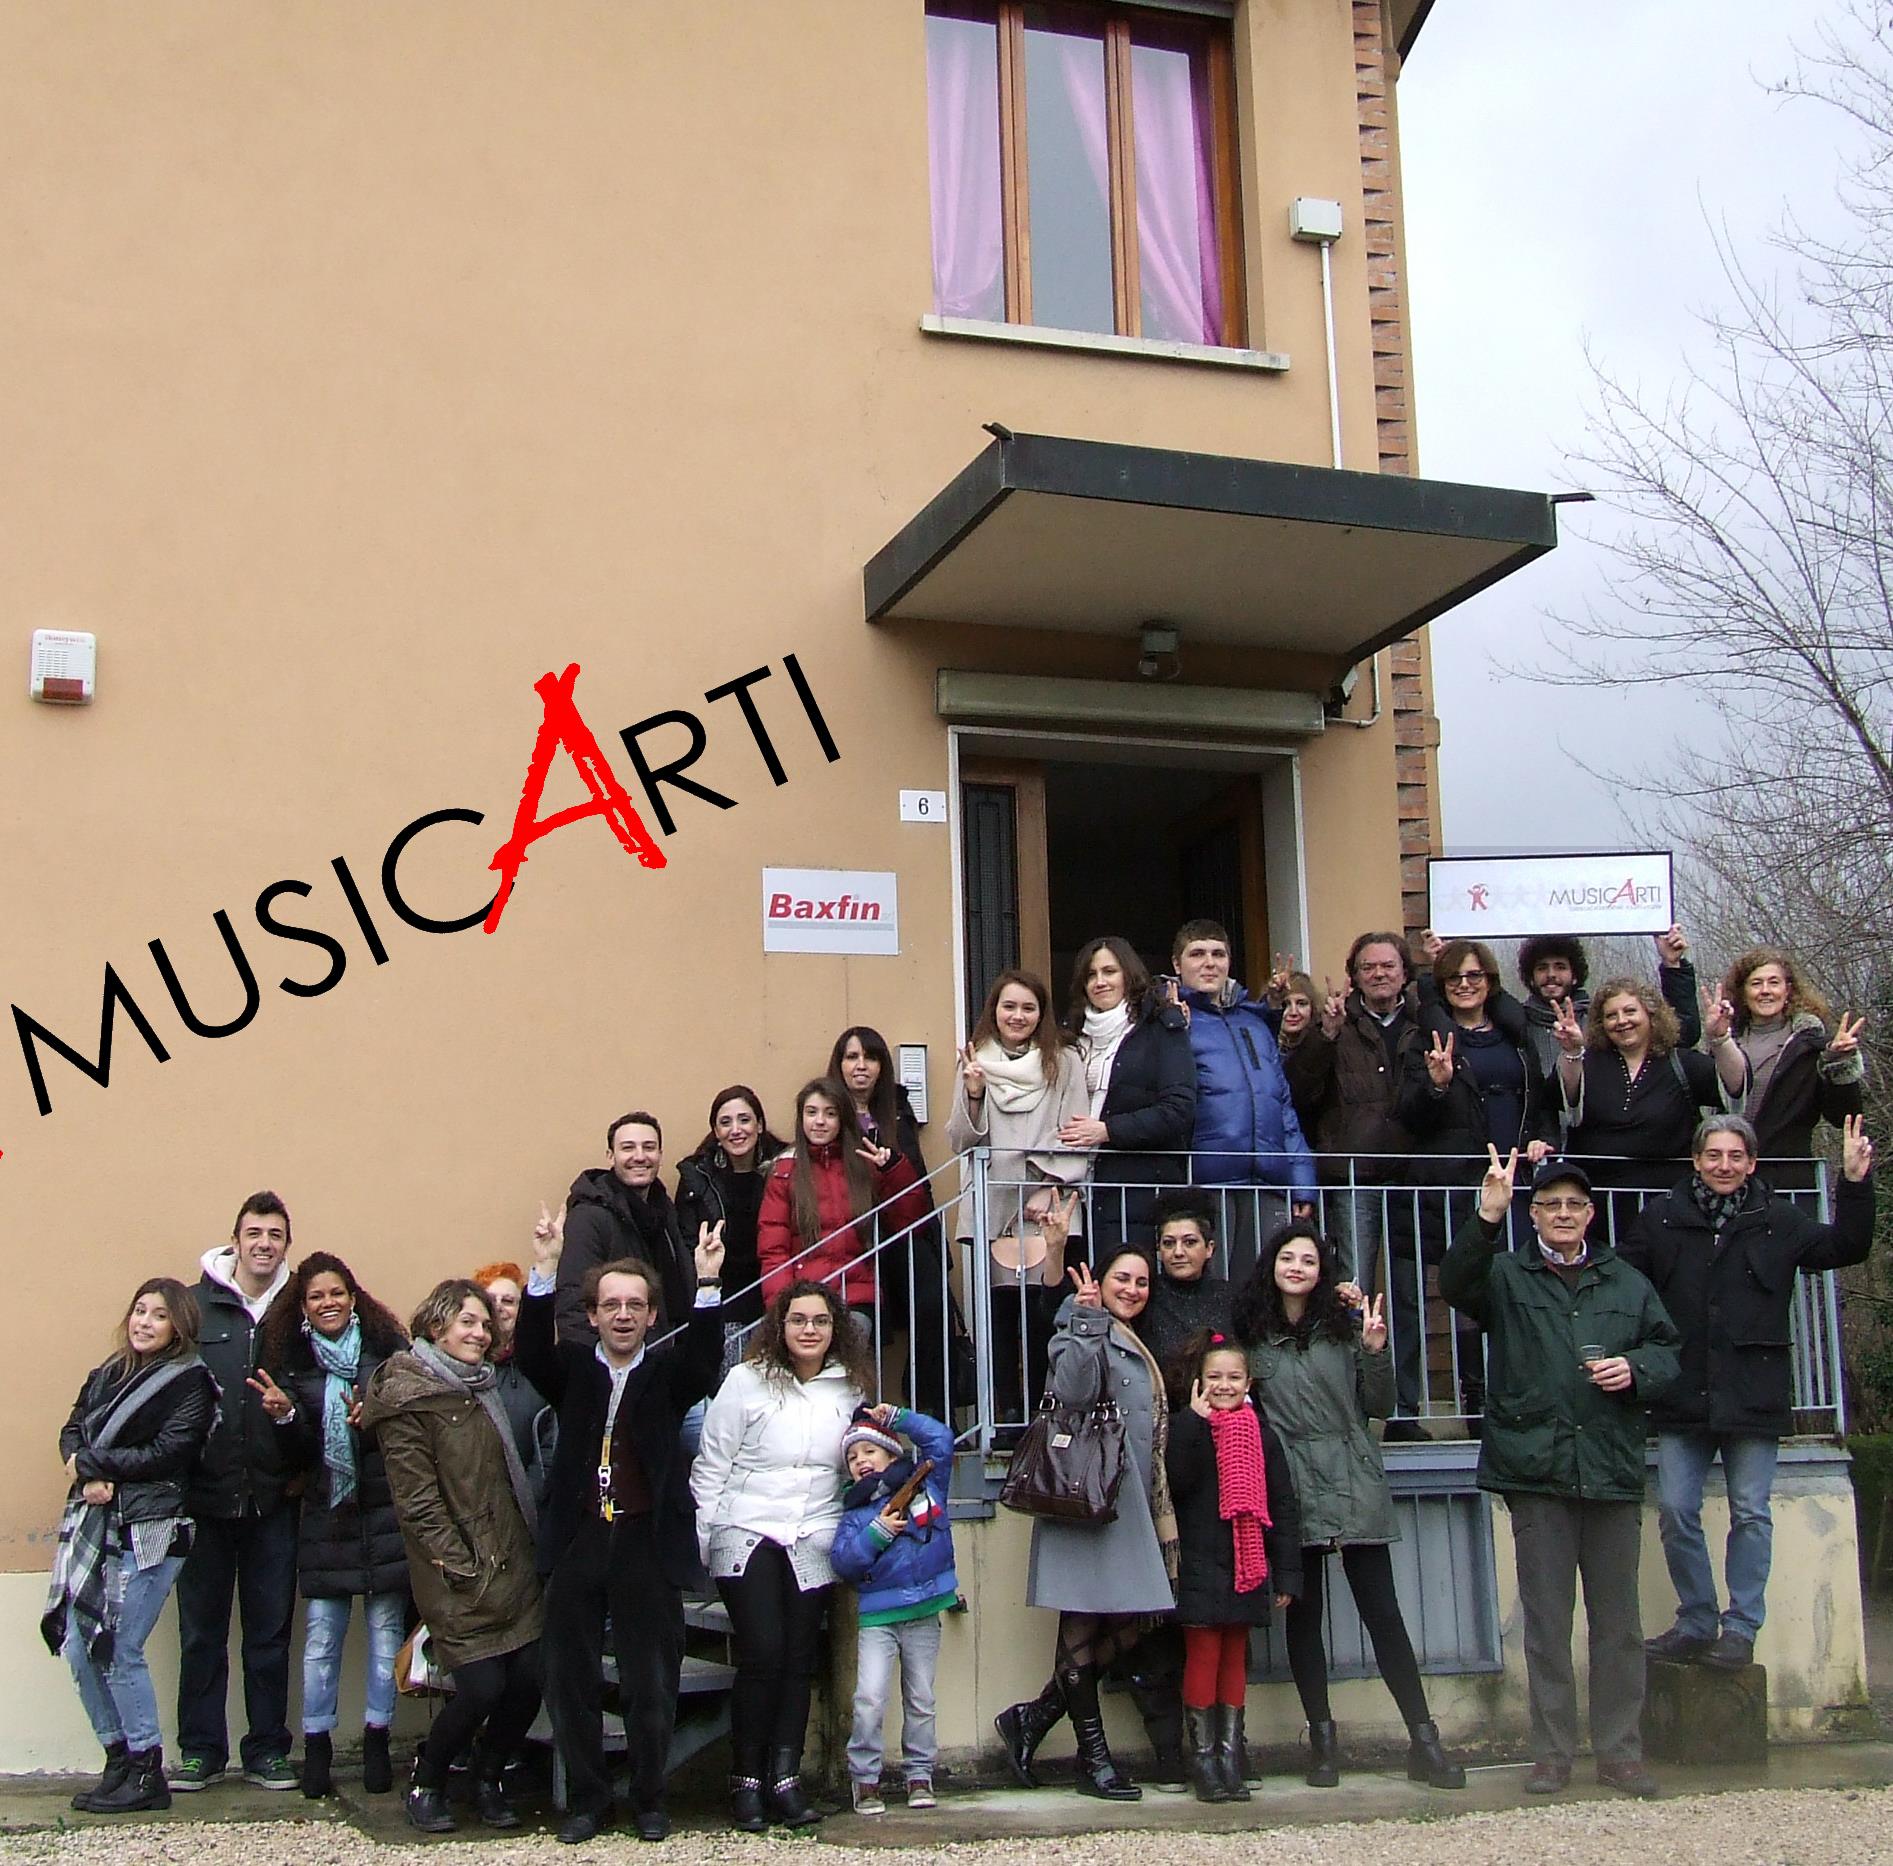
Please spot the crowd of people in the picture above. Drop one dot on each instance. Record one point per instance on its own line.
(541, 1462)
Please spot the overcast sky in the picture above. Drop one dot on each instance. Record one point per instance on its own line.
(1563, 165)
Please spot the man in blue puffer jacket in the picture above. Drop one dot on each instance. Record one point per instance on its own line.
(902, 1563)
(1246, 1131)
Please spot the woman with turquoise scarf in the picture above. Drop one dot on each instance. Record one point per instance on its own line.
(322, 1338)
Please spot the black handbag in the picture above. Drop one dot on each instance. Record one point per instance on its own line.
(1069, 1465)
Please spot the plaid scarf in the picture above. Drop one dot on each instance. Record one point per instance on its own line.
(1717, 1207)
(1242, 1490)
(88, 1589)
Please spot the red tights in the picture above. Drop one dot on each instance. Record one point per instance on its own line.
(1215, 1665)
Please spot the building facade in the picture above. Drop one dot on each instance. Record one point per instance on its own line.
(951, 440)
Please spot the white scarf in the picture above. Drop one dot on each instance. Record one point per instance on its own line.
(1014, 1084)
(1103, 1032)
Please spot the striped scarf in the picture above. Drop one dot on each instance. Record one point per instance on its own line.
(1242, 1489)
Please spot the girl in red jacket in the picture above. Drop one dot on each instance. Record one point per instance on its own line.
(820, 1190)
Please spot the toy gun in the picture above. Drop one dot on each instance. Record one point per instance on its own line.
(898, 1503)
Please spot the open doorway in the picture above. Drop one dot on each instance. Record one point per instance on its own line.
(1058, 850)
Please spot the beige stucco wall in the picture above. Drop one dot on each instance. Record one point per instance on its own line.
(363, 364)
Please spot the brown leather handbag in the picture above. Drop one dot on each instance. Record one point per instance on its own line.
(1069, 1465)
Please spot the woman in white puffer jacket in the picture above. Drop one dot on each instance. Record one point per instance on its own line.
(767, 1482)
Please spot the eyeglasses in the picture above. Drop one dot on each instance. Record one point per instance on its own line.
(631, 1305)
(1467, 978)
(1561, 1205)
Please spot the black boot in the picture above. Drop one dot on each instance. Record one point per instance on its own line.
(490, 1802)
(117, 1767)
(1199, 1729)
(1023, 1727)
(1427, 1762)
(1098, 1773)
(1231, 1756)
(1324, 1764)
(1159, 1702)
(377, 1766)
(746, 1812)
(318, 1764)
(144, 1786)
(786, 1804)
(426, 1806)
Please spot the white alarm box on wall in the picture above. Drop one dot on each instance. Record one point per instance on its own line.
(65, 666)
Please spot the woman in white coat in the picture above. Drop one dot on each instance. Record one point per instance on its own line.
(767, 1485)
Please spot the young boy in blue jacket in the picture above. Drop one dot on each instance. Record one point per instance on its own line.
(902, 1564)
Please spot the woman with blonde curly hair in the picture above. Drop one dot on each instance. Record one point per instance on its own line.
(1800, 1074)
(1632, 1095)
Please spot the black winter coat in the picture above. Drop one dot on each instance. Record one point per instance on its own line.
(604, 1219)
(1451, 1126)
(248, 1463)
(1206, 1580)
(663, 1386)
(1731, 1299)
(355, 1548)
(709, 1193)
(1347, 1093)
(152, 1458)
(1149, 1103)
(1797, 1097)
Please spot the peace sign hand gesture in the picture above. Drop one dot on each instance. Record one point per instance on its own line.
(710, 1252)
(971, 1074)
(276, 1402)
(1856, 1150)
(1089, 1295)
(548, 1238)
(876, 1157)
(1846, 1039)
(1199, 1400)
(1374, 1326)
(1717, 1015)
(1495, 1189)
(1565, 1028)
(1279, 976)
(1439, 1061)
(1333, 1011)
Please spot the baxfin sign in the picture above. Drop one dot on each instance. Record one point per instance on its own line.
(830, 910)
(1517, 896)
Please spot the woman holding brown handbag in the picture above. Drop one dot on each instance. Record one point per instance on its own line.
(1104, 1580)
(1019, 1084)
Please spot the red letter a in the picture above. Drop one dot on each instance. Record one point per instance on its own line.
(563, 726)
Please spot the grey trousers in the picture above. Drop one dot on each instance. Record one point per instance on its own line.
(1557, 1540)
(915, 1645)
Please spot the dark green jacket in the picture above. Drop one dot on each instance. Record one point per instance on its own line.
(1547, 1429)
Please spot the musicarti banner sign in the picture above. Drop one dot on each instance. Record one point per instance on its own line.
(1516, 896)
(830, 910)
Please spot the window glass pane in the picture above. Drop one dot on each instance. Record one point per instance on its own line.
(1179, 260)
(1069, 187)
(963, 144)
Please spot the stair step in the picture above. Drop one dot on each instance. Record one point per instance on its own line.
(707, 1616)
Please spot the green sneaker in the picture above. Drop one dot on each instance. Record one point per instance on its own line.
(190, 1773)
(271, 1772)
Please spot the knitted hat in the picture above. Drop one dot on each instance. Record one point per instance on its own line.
(865, 1429)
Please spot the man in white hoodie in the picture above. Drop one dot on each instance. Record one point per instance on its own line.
(245, 1536)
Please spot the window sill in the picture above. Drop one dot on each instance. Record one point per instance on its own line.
(1160, 349)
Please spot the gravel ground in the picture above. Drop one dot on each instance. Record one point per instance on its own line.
(1794, 1827)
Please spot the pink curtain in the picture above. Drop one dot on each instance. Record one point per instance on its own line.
(963, 137)
(1179, 258)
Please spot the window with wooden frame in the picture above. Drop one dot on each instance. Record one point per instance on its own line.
(1084, 167)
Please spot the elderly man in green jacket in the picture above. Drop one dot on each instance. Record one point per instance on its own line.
(1578, 1344)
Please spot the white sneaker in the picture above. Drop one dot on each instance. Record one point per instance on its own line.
(867, 1798)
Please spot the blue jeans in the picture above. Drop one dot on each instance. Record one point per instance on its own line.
(386, 1615)
(119, 1700)
(915, 1644)
(1748, 1469)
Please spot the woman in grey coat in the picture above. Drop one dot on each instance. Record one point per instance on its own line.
(1321, 1371)
(1104, 1581)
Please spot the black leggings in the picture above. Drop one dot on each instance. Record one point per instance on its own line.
(776, 1628)
(1369, 1570)
(503, 1694)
